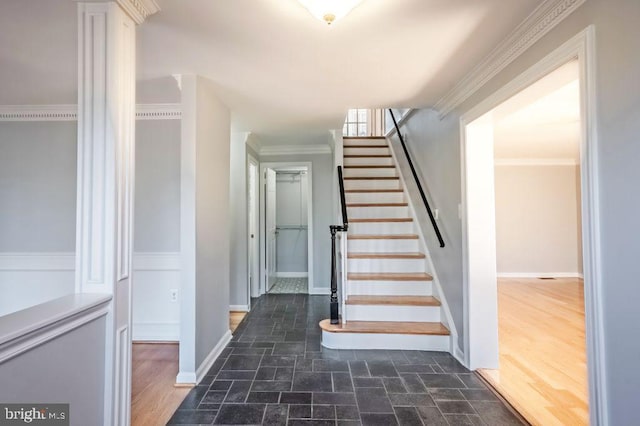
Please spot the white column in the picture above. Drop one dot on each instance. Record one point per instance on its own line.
(106, 153)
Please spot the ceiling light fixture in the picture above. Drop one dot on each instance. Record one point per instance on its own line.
(330, 11)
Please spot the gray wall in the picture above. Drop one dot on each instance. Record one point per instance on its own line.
(68, 369)
(157, 203)
(205, 226)
(436, 147)
(291, 210)
(322, 204)
(37, 186)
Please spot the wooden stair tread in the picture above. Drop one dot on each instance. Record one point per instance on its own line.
(393, 300)
(383, 237)
(370, 166)
(372, 178)
(357, 205)
(371, 191)
(367, 146)
(389, 276)
(386, 327)
(363, 137)
(382, 220)
(383, 255)
(368, 156)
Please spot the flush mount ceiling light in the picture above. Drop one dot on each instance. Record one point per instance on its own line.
(330, 11)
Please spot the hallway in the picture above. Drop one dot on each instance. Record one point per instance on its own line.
(275, 372)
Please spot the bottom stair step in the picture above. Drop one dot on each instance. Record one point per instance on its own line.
(386, 327)
(420, 336)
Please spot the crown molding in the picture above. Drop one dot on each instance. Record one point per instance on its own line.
(139, 10)
(253, 143)
(542, 20)
(536, 162)
(295, 149)
(158, 112)
(70, 112)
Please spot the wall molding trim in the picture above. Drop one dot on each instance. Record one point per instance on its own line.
(66, 112)
(542, 20)
(540, 275)
(139, 10)
(65, 261)
(295, 149)
(292, 274)
(156, 331)
(34, 326)
(213, 355)
(536, 162)
(239, 308)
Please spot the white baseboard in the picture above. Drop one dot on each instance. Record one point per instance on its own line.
(156, 332)
(186, 379)
(292, 274)
(320, 291)
(459, 355)
(239, 308)
(540, 275)
(213, 355)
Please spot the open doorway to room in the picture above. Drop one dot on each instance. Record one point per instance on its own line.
(286, 212)
(536, 136)
(524, 172)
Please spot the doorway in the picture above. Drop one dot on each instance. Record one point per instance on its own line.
(286, 212)
(492, 311)
(253, 227)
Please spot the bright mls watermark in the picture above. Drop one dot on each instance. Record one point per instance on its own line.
(34, 414)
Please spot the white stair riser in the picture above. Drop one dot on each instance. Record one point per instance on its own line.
(393, 313)
(383, 150)
(385, 341)
(377, 212)
(368, 142)
(375, 197)
(383, 246)
(370, 171)
(390, 288)
(386, 265)
(381, 228)
(372, 184)
(369, 161)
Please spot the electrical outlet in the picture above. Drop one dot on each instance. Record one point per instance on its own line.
(174, 295)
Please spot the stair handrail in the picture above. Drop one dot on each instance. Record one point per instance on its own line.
(415, 176)
(335, 317)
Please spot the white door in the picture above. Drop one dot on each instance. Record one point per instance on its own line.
(270, 227)
(254, 266)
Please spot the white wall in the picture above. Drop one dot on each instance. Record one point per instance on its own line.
(537, 221)
(157, 231)
(291, 210)
(205, 224)
(436, 146)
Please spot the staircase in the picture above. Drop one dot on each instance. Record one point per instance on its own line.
(391, 302)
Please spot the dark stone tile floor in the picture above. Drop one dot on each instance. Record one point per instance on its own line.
(275, 372)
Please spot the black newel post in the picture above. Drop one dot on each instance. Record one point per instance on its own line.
(334, 278)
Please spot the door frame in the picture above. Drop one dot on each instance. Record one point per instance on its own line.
(255, 265)
(263, 258)
(582, 48)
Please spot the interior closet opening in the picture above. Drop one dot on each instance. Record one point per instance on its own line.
(287, 222)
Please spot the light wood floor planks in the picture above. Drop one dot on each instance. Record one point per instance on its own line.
(153, 395)
(154, 398)
(543, 368)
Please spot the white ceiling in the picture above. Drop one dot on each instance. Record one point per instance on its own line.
(277, 67)
(542, 121)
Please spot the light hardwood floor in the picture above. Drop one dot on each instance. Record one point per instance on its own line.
(543, 368)
(154, 398)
